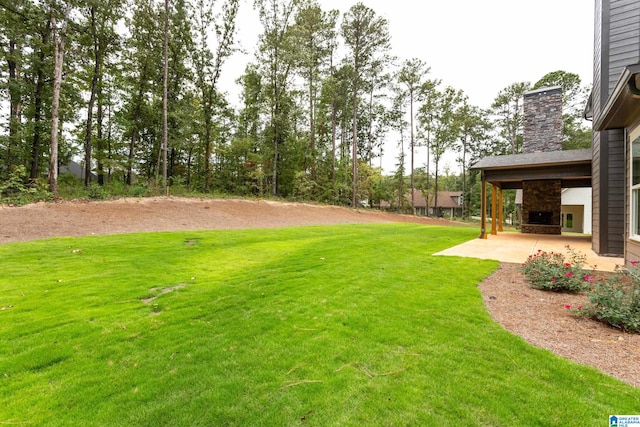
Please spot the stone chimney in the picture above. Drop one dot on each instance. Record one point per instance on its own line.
(543, 120)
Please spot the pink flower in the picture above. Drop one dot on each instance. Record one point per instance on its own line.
(568, 307)
(569, 274)
(634, 262)
(589, 278)
(566, 264)
(553, 280)
(579, 307)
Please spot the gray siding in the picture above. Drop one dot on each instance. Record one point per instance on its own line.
(616, 45)
(624, 49)
(599, 61)
(622, 38)
(633, 251)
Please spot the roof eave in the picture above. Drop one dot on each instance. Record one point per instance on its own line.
(623, 105)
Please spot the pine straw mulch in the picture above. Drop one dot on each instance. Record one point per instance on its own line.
(542, 319)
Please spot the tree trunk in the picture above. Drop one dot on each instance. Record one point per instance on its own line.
(100, 141)
(413, 203)
(207, 153)
(15, 100)
(312, 130)
(464, 174)
(37, 127)
(109, 151)
(436, 210)
(369, 131)
(88, 145)
(38, 94)
(165, 83)
(58, 53)
(354, 149)
(134, 131)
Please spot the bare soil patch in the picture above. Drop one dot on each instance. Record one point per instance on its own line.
(81, 218)
(538, 317)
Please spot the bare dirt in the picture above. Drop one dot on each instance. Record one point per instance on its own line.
(538, 317)
(81, 218)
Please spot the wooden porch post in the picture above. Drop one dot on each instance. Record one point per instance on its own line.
(500, 209)
(483, 208)
(494, 209)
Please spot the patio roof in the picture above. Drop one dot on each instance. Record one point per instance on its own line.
(573, 167)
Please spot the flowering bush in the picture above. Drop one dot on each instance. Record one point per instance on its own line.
(550, 271)
(616, 300)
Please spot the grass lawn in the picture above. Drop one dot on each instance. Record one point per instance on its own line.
(328, 326)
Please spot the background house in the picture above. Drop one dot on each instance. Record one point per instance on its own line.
(450, 204)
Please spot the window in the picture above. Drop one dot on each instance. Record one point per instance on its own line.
(635, 183)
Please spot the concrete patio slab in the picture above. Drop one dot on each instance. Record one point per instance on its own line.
(516, 247)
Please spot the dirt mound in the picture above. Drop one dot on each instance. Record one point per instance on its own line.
(80, 218)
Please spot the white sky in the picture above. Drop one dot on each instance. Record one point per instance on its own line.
(479, 46)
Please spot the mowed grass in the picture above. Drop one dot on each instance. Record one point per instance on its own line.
(328, 326)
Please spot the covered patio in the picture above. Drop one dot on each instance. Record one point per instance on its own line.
(516, 247)
(542, 176)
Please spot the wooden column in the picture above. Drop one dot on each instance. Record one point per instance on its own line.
(494, 209)
(500, 210)
(483, 208)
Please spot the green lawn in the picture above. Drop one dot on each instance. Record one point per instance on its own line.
(353, 325)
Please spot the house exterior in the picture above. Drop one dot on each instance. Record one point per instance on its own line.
(615, 110)
(450, 204)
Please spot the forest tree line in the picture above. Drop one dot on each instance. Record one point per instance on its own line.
(131, 89)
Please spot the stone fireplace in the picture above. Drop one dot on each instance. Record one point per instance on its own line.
(541, 207)
(542, 200)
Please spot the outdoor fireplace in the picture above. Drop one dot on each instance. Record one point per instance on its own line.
(541, 217)
(541, 206)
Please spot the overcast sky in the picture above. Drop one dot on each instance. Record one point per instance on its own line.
(477, 46)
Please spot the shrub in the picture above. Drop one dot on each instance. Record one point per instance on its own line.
(550, 271)
(616, 300)
(97, 192)
(16, 191)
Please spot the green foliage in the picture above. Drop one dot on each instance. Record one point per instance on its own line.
(616, 300)
(346, 325)
(550, 271)
(508, 109)
(15, 190)
(97, 192)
